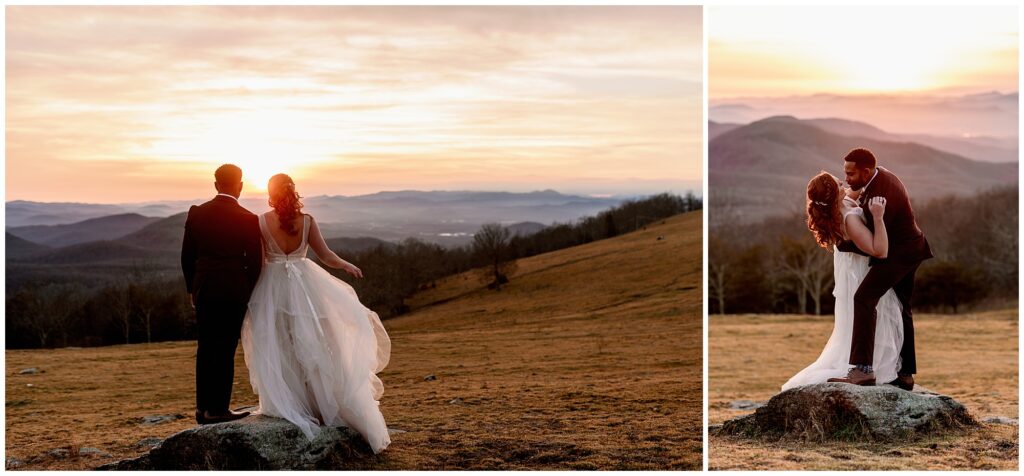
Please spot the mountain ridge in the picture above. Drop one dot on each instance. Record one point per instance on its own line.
(107, 227)
(388, 206)
(762, 168)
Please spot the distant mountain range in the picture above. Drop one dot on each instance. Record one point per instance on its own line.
(109, 243)
(984, 149)
(762, 168)
(986, 118)
(94, 229)
(379, 209)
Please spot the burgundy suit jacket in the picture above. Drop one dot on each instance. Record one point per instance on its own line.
(906, 240)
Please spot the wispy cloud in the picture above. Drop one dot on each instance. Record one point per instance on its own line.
(144, 101)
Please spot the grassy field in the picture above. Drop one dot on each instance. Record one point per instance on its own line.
(972, 358)
(589, 359)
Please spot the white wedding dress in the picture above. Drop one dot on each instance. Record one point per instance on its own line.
(313, 350)
(850, 269)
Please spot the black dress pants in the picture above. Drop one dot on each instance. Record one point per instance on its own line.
(220, 326)
(899, 276)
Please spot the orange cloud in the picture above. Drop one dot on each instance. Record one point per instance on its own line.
(110, 104)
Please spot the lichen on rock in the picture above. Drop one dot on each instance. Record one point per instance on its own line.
(840, 411)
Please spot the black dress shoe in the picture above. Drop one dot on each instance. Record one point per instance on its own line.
(906, 382)
(205, 418)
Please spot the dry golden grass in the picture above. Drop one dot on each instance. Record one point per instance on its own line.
(590, 358)
(972, 358)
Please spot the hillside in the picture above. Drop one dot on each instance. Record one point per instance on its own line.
(156, 247)
(762, 168)
(589, 359)
(95, 229)
(99, 252)
(165, 234)
(716, 129)
(17, 248)
(346, 245)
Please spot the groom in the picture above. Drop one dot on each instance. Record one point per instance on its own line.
(907, 249)
(221, 257)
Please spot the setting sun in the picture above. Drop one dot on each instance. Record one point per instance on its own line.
(262, 143)
(351, 100)
(808, 50)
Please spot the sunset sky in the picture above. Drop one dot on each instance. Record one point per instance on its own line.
(781, 51)
(128, 104)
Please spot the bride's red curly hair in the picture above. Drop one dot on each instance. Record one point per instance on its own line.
(823, 215)
(285, 201)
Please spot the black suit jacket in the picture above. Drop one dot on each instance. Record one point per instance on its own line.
(222, 253)
(906, 240)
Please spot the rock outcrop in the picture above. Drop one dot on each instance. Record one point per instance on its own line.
(840, 411)
(253, 443)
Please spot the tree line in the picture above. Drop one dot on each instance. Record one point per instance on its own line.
(393, 273)
(145, 305)
(774, 266)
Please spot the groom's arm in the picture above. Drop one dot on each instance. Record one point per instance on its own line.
(189, 252)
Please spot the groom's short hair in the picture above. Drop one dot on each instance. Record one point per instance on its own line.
(228, 174)
(863, 158)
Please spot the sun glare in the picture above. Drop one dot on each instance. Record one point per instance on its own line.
(810, 49)
(351, 99)
(262, 143)
(879, 66)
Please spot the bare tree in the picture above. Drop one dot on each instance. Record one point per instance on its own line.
(51, 309)
(35, 316)
(491, 244)
(718, 270)
(725, 210)
(122, 307)
(808, 266)
(144, 294)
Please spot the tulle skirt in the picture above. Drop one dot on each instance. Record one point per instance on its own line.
(834, 361)
(313, 351)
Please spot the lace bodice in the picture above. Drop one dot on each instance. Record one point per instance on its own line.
(274, 252)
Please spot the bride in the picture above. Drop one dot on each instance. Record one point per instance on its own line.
(313, 350)
(834, 216)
